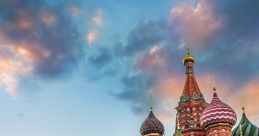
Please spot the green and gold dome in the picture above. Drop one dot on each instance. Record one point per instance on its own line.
(245, 128)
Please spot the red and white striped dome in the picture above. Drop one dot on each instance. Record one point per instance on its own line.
(217, 112)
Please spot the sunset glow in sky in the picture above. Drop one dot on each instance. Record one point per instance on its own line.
(89, 67)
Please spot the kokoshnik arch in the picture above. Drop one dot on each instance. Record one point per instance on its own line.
(195, 117)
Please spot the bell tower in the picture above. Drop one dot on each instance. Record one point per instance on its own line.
(192, 102)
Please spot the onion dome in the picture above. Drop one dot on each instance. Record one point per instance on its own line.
(188, 57)
(245, 128)
(151, 125)
(217, 112)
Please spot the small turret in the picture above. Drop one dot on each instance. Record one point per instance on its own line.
(152, 126)
(245, 127)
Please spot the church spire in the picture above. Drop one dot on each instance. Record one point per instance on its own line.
(191, 103)
(191, 89)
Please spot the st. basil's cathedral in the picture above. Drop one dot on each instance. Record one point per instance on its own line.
(195, 117)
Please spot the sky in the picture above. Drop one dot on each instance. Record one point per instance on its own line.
(89, 67)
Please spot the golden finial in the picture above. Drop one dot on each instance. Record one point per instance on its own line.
(188, 56)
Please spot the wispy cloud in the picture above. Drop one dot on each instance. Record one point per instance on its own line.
(36, 41)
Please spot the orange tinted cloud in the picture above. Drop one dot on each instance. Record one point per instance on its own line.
(197, 23)
(16, 60)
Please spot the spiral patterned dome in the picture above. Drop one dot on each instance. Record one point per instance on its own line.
(217, 112)
(151, 125)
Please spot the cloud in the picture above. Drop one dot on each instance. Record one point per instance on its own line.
(15, 61)
(149, 61)
(240, 18)
(102, 57)
(38, 40)
(196, 23)
(97, 21)
(146, 34)
(153, 59)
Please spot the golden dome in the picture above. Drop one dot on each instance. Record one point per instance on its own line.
(188, 57)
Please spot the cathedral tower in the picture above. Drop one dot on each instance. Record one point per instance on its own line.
(191, 102)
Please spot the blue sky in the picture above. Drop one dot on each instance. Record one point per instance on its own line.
(89, 67)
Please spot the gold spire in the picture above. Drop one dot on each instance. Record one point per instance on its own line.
(188, 56)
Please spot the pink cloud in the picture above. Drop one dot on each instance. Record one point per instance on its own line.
(197, 23)
(152, 59)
